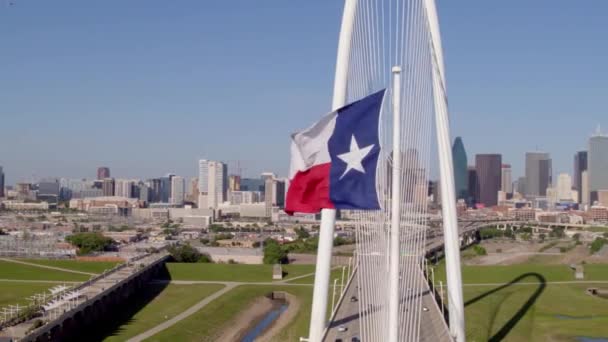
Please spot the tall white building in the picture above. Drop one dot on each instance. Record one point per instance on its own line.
(212, 183)
(585, 198)
(178, 190)
(597, 164)
(123, 187)
(506, 184)
(564, 187)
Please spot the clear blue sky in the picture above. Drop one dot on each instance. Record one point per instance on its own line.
(148, 87)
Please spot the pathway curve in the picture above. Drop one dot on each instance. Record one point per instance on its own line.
(48, 267)
(170, 322)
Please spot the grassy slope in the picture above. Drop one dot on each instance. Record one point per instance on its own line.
(75, 265)
(10, 270)
(207, 323)
(173, 300)
(227, 272)
(16, 293)
(487, 316)
(335, 274)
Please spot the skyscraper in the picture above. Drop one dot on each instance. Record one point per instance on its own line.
(585, 198)
(213, 183)
(1, 182)
(580, 165)
(461, 177)
(564, 187)
(123, 188)
(178, 190)
(597, 164)
(108, 187)
(506, 181)
(488, 167)
(103, 172)
(472, 182)
(234, 183)
(538, 173)
(165, 188)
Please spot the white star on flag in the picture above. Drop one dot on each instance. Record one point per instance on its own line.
(354, 158)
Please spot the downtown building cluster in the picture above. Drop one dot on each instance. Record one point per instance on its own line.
(489, 182)
(213, 190)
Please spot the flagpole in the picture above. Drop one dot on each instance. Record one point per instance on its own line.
(446, 168)
(328, 216)
(393, 299)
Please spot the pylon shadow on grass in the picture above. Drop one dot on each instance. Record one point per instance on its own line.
(502, 333)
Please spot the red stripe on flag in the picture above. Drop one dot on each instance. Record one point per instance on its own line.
(309, 191)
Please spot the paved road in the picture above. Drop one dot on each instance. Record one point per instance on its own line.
(48, 267)
(432, 325)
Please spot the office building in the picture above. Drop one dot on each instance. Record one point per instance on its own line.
(580, 165)
(461, 177)
(597, 170)
(520, 185)
(252, 184)
(123, 188)
(585, 195)
(472, 183)
(165, 188)
(144, 192)
(234, 183)
(103, 172)
(506, 183)
(178, 190)
(1, 182)
(108, 187)
(564, 187)
(212, 183)
(154, 189)
(538, 173)
(488, 168)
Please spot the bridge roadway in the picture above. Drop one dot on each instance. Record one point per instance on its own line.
(433, 326)
(95, 295)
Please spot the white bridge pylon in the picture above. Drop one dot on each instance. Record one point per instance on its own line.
(377, 38)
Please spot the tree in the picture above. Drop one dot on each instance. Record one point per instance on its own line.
(302, 233)
(273, 253)
(185, 253)
(576, 237)
(597, 244)
(542, 237)
(89, 242)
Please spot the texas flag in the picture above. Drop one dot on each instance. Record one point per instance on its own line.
(334, 162)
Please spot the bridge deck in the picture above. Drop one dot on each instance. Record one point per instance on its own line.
(432, 326)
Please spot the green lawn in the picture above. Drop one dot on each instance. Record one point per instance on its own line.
(206, 324)
(501, 313)
(173, 300)
(335, 274)
(10, 270)
(504, 274)
(597, 229)
(75, 265)
(496, 316)
(16, 293)
(232, 272)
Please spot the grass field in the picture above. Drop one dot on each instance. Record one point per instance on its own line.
(10, 270)
(16, 293)
(533, 313)
(598, 229)
(206, 324)
(539, 311)
(335, 274)
(75, 265)
(173, 300)
(236, 272)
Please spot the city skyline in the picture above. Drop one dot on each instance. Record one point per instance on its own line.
(149, 88)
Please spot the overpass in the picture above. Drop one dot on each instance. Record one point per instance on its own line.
(66, 318)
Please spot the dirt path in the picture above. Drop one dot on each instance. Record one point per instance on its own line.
(191, 310)
(47, 267)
